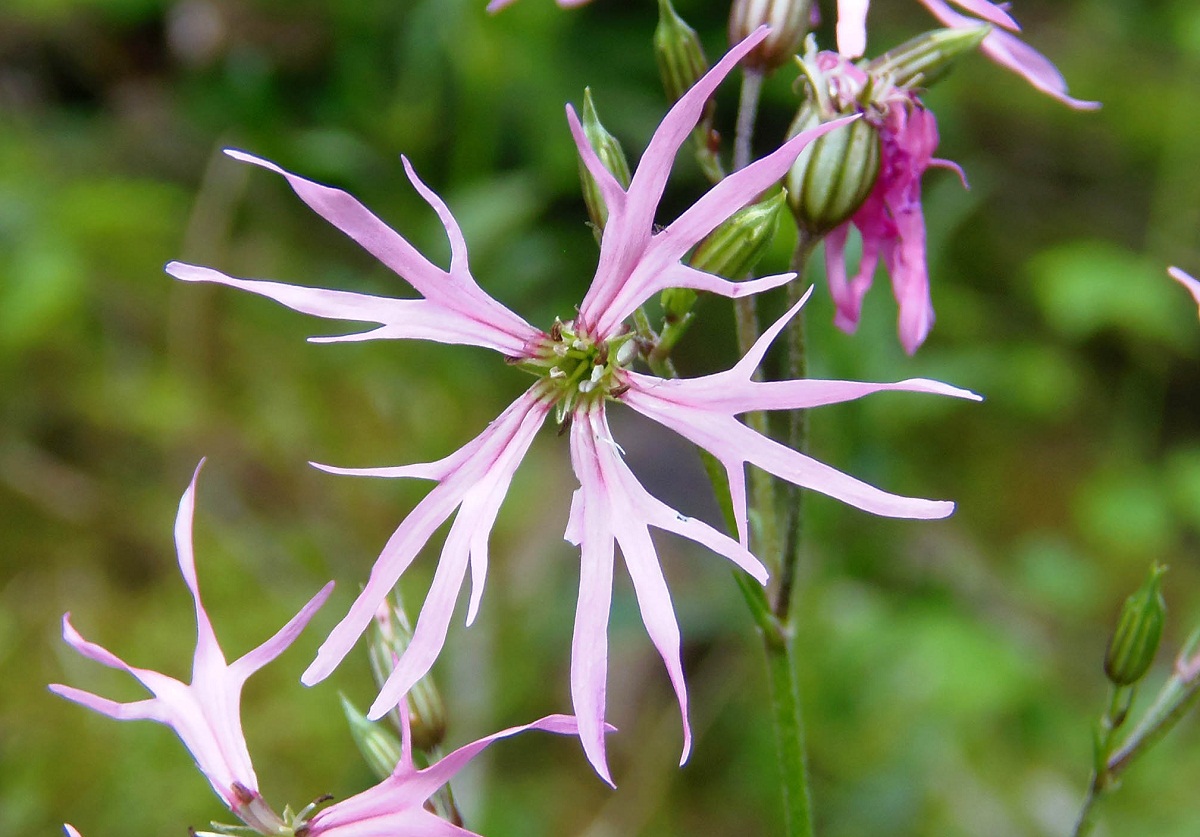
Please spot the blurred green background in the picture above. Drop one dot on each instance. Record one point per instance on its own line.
(952, 669)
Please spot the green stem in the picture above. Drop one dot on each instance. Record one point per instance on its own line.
(1119, 701)
(789, 730)
(1175, 700)
(778, 643)
(797, 369)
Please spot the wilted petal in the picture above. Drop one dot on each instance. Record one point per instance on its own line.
(205, 714)
(892, 226)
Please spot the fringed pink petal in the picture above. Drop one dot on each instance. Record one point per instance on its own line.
(394, 806)
(399, 319)
(630, 224)
(1012, 53)
(611, 190)
(205, 713)
(489, 456)
(252, 661)
(734, 444)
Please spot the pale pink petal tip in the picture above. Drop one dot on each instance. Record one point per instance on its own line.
(1192, 285)
(70, 830)
(852, 27)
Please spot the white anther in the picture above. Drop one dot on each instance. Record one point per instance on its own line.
(555, 372)
(597, 373)
(587, 386)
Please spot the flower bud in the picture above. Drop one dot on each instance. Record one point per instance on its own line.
(789, 21)
(609, 150)
(681, 60)
(926, 58)
(380, 749)
(735, 247)
(389, 636)
(834, 173)
(1139, 629)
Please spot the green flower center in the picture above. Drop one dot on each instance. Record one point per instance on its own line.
(576, 368)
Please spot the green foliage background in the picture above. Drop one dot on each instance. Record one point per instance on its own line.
(952, 668)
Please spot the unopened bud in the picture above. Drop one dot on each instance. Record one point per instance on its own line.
(926, 58)
(681, 59)
(834, 173)
(379, 747)
(789, 21)
(1139, 630)
(609, 150)
(735, 247)
(389, 636)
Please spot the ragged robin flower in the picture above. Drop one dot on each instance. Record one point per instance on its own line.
(583, 365)
(206, 715)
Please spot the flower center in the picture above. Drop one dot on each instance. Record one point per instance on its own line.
(576, 368)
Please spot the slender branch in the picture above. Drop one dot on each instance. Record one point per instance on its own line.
(1176, 698)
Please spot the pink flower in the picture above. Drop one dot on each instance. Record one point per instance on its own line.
(205, 713)
(1005, 49)
(581, 365)
(1187, 281)
(395, 807)
(890, 221)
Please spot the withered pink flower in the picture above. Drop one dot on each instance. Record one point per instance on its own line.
(1001, 46)
(890, 221)
(581, 365)
(1192, 285)
(205, 713)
